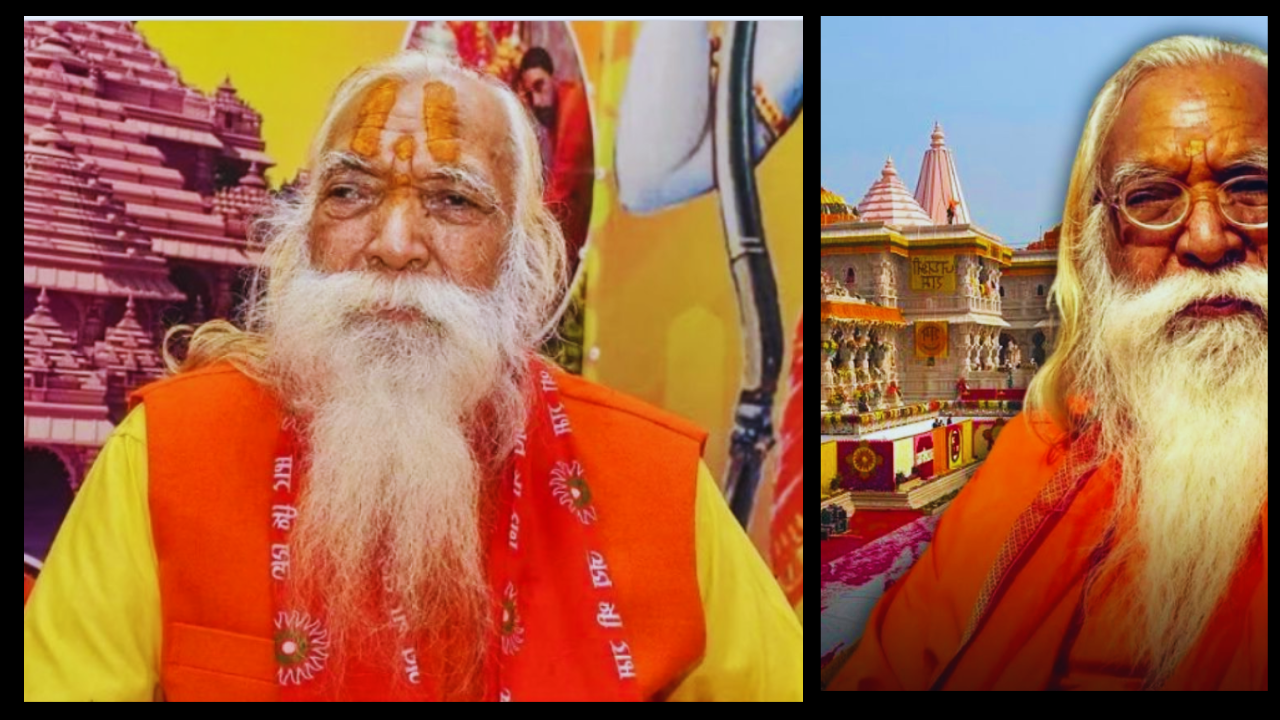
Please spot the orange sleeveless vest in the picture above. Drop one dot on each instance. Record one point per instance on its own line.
(211, 438)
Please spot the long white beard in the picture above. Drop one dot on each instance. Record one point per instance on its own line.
(1182, 403)
(390, 375)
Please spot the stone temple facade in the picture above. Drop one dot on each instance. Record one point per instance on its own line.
(137, 196)
(918, 296)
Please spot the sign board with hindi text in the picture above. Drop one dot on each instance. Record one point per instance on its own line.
(933, 272)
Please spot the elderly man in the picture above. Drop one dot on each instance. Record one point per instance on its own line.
(1116, 537)
(378, 492)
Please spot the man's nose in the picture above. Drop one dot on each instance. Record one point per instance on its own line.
(400, 243)
(1208, 241)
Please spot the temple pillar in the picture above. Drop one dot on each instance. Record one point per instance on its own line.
(222, 292)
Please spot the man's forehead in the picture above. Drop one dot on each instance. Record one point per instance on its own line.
(436, 121)
(475, 103)
(1214, 111)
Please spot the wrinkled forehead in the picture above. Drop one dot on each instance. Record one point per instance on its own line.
(421, 125)
(1212, 112)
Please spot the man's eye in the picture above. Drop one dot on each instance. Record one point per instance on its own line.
(346, 192)
(454, 208)
(348, 200)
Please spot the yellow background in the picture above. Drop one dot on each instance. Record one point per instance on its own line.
(662, 308)
(285, 70)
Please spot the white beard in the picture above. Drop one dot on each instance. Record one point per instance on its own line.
(1182, 404)
(397, 459)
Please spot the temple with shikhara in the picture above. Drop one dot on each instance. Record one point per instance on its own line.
(932, 329)
(917, 297)
(137, 195)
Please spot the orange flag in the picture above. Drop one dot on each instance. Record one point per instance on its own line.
(940, 464)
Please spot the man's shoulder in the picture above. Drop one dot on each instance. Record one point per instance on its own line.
(975, 525)
(1026, 452)
(1026, 437)
(572, 97)
(603, 405)
(218, 383)
(572, 89)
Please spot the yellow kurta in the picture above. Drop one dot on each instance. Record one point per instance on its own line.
(91, 630)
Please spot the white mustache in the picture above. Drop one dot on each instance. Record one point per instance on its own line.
(1169, 297)
(363, 293)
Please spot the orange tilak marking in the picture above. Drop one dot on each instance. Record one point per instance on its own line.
(1194, 148)
(440, 116)
(373, 117)
(400, 183)
(404, 147)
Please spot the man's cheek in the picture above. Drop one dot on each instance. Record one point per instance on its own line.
(472, 259)
(333, 245)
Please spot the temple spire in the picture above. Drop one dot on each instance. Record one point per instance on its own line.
(938, 189)
(890, 202)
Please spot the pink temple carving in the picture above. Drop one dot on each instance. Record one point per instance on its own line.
(138, 191)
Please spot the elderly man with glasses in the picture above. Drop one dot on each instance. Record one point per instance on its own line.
(1116, 537)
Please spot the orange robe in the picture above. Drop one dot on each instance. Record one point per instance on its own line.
(571, 180)
(1030, 635)
(211, 445)
(26, 587)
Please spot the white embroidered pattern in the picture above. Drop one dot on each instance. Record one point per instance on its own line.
(571, 490)
(302, 647)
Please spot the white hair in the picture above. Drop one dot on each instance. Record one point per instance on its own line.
(1052, 384)
(1165, 393)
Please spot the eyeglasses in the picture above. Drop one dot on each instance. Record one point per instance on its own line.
(1165, 204)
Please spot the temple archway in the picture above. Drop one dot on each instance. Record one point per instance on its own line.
(199, 300)
(46, 497)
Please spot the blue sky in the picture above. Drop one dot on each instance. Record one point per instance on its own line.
(1011, 94)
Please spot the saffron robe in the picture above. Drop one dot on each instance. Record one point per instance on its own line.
(1031, 635)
